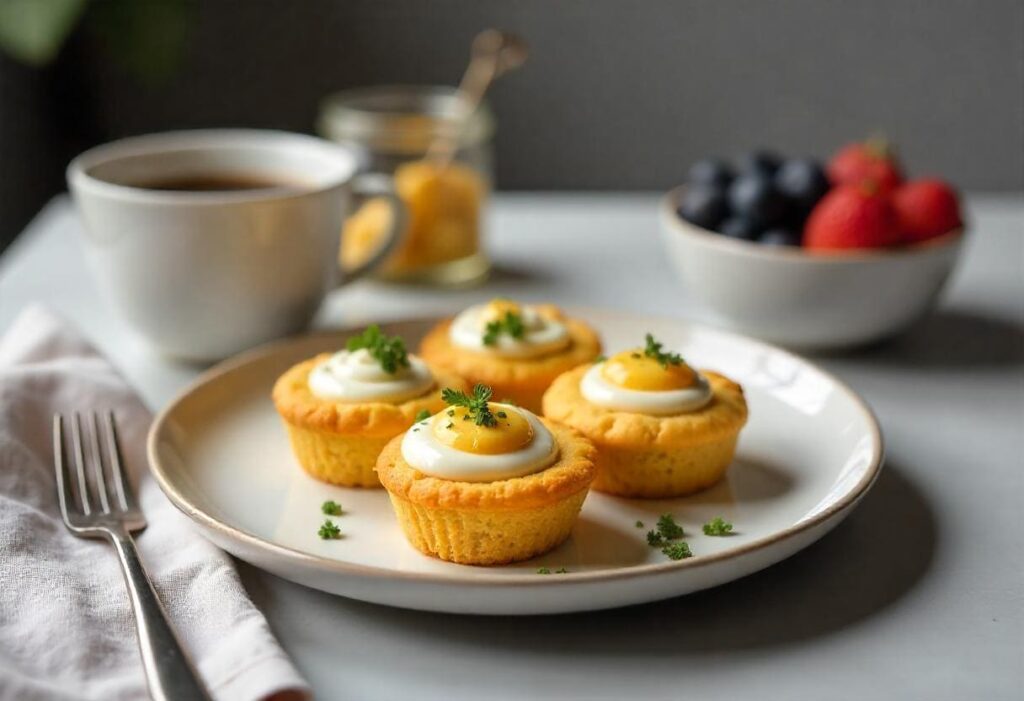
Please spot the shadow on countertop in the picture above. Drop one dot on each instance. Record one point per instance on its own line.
(948, 339)
(866, 564)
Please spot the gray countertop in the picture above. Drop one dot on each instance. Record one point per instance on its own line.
(919, 594)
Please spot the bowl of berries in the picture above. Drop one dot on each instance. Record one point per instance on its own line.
(812, 256)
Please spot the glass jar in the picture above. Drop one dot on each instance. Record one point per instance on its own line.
(391, 128)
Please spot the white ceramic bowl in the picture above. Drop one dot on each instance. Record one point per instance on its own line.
(807, 300)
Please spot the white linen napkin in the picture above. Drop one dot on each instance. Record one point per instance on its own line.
(66, 627)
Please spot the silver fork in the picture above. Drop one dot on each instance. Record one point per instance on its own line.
(96, 501)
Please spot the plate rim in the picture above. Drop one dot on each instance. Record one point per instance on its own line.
(481, 575)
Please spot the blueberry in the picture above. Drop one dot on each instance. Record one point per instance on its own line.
(704, 207)
(738, 228)
(802, 180)
(763, 162)
(710, 173)
(780, 237)
(754, 197)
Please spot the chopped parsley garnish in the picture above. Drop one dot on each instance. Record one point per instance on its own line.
(666, 536)
(328, 530)
(501, 414)
(677, 551)
(666, 530)
(511, 324)
(476, 405)
(717, 526)
(668, 527)
(389, 352)
(331, 508)
(449, 425)
(543, 570)
(653, 350)
(561, 570)
(422, 415)
(600, 359)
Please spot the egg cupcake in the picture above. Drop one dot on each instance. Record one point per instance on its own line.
(341, 409)
(661, 428)
(486, 483)
(515, 349)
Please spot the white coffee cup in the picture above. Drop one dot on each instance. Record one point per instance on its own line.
(203, 274)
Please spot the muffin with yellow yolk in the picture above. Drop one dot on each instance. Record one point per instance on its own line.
(340, 409)
(661, 428)
(516, 349)
(486, 483)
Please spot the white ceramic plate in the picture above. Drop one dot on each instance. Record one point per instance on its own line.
(809, 452)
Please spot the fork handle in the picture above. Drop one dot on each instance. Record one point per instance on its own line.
(169, 672)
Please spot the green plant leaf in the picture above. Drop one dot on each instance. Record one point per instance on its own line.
(32, 31)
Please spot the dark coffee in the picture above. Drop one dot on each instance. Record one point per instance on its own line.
(220, 182)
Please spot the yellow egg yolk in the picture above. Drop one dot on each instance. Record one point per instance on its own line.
(457, 428)
(496, 310)
(634, 370)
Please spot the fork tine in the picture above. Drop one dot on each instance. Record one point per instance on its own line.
(64, 493)
(79, 455)
(97, 461)
(124, 492)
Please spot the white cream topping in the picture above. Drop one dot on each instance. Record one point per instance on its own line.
(423, 451)
(598, 390)
(355, 376)
(541, 336)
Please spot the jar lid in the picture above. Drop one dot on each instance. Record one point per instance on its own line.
(401, 119)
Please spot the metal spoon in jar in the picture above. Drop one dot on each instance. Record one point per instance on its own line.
(493, 54)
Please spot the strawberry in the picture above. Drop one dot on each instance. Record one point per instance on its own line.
(925, 209)
(862, 162)
(852, 216)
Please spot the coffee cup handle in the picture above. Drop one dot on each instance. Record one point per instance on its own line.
(369, 185)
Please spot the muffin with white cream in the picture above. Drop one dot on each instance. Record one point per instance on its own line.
(341, 409)
(516, 349)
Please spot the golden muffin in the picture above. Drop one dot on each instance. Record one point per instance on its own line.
(341, 409)
(485, 483)
(517, 350)
(661, 428)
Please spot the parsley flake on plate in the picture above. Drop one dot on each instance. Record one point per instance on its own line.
(329, 530)
(717, 526)
(667, 530)
(331, 508)
(543, 570)
(668, 527)
(677, 551)
(421, 415)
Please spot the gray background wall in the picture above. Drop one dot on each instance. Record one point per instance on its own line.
(617, 94)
